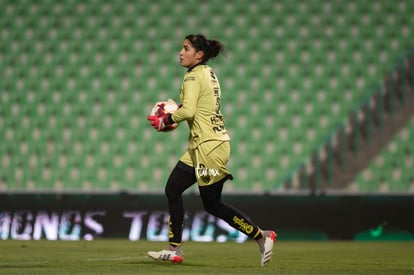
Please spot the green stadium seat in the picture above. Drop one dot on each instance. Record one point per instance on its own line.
(85, 74)
(394, 166)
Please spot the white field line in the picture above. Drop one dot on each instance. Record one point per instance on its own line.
(23, 263)
(116, 259)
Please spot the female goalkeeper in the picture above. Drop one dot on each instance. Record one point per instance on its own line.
(205, 160)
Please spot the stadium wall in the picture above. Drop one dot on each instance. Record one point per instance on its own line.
(143, 216)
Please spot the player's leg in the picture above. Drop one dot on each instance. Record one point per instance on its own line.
(213, 158)
(181, 178)
(211, 198)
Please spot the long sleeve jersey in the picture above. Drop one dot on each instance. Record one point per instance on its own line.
(200, 97)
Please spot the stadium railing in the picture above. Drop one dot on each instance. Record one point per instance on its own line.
(343, 153)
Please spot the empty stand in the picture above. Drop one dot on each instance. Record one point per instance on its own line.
(392, 170)
(79, 77)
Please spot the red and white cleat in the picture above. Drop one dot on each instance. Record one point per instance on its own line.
(174, 256)
(266, 246)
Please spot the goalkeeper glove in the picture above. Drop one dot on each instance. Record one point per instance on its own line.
(160, 122)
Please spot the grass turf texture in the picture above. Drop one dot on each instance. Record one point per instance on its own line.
(125, 257)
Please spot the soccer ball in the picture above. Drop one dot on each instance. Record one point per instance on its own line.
(165, 107)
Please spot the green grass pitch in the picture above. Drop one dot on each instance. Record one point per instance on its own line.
(125, 257)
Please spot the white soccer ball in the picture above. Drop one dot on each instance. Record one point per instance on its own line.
(165, 107)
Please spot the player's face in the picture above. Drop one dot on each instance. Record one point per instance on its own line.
(189, 56)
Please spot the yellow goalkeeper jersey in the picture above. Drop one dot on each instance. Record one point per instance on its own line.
(200, 98)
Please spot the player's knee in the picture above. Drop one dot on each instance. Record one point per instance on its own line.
(211, 211)
(171, 193)
(212, 208)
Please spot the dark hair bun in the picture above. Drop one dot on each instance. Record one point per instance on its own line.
(211, 48)
(214, 48)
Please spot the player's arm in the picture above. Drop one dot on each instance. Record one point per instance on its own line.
(191, 91)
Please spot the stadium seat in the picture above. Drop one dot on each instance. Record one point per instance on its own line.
(81, 76)
(393, 167)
